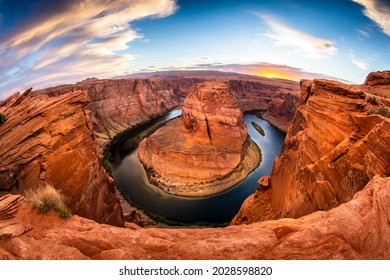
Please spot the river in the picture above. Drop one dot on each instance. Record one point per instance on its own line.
(131, 178)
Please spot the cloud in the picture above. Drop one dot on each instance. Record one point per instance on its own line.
(363, 33)
(358, 62)
(74, 41)
(303, 44)
(378, 11)
(263, 69)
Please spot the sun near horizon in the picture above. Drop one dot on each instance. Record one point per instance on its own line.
(278, 74)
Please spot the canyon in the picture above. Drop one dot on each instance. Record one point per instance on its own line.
(327, 196)
(199, 153)
(331, 151)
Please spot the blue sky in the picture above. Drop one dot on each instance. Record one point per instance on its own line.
(45, 42)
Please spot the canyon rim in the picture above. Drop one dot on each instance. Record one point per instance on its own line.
(194, 130)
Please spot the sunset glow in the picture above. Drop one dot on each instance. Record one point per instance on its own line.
(274, 74)
(50, 43)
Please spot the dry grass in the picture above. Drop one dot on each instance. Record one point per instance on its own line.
(48, 198)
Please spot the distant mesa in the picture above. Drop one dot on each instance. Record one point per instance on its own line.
(87, 80)
(196, 154)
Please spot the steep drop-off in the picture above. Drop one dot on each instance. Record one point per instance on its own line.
(278, 99)
(50, 140)
(117, 105)
(334, 147)
(207, 143)
(357, 229)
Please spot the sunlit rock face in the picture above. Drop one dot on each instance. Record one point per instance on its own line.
(205, 143)
(336, 144)
(278, 99)
(357, 229)
(50, 140)
(117, 105)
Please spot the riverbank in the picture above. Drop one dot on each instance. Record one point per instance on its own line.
(249, 162)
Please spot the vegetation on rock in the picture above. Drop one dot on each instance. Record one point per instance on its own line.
(48, 198)
(3, 118)
(380, 111)
(373, 101)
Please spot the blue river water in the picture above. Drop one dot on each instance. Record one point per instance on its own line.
(131, 178)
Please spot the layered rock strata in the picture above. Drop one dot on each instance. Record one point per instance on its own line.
(336, 144)
(50, 140)
(117, 105)
(357, 229)
(278, 99)
(207, 143)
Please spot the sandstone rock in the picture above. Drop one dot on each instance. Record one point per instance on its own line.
(278, 98)
(117, 105)
(331, 151)
(378, 83)
(49, 140)
(206, 143)
(378, 78)
(357, 229)
(264, 182)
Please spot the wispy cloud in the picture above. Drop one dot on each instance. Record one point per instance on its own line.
(378, 11)
(84, 38)
(358, 62)
(263, 69)
(364, 34)
(302, 43)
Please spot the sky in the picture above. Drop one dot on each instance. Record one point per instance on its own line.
(48, 42)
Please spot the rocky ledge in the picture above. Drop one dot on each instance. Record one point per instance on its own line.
(195, 155)
(358, 229)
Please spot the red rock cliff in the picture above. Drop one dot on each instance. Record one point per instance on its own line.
(335, 145)
(117, 105)
(51, 140)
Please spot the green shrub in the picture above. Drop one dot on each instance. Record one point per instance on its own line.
(373, 101)
(48, 198)
(380, 111)
(3, 118)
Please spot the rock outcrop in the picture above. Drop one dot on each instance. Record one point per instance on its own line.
(207, 143)
(278, 99)
(358, 229)
(117, 105)
(333, 148)
(51, 140)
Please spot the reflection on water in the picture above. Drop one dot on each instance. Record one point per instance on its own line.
(220, 208)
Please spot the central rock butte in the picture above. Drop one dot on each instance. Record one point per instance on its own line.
(196, 154)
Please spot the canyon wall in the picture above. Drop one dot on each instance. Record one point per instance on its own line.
(117, 105)
(335, 145)
(50, 140)
(278, 99)
(358, 229)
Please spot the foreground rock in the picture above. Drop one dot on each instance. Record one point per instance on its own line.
(334, 147)
(50, 140)
(207, 143)
(358, 229)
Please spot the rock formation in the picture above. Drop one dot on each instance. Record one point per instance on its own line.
(206, 143)
(117, 105)
(332, 150)
(357, 229)
(51, 140)
(279, 99)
